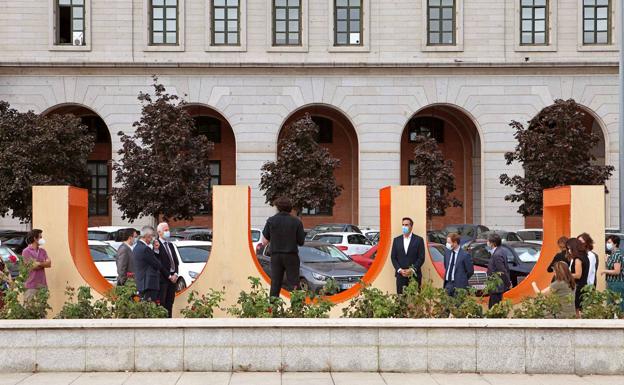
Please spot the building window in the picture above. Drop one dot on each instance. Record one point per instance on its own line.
(164, 22)
(326, 129)
(441, 22)
(209, 127)
(534, 22)
(215, 180)
(98, 189)
(348, 22)
(413, 181)
(327, 211)
(596, 21)
(426, 126)
(225, 22)
(70, 22)
(286, 22)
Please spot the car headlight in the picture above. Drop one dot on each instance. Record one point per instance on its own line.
(193, 274)
(319, 277)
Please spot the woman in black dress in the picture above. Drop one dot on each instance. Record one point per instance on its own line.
(579, 267)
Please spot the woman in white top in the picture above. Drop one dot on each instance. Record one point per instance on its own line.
(588, 244)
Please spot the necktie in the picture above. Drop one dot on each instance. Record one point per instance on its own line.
(168, 251)
(449, 272)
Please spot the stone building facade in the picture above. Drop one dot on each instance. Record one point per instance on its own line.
(371, 72)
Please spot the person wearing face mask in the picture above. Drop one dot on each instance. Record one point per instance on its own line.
(123, 258)
(35, 255)
(498, 266)
(148, 268)
(614, 272)
(407, 255)
(458, 265)
(170, 262)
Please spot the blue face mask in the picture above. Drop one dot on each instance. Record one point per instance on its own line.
(167, 234)
(405, 230)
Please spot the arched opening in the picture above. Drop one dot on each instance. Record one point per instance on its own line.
(458, 139)
(338, 135)
(99, 162)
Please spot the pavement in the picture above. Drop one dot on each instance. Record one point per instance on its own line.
(219, 378)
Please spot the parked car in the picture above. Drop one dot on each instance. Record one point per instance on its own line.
(13, 239)
(256, 235)
(436, 251)
(193, 234)
(466, 232)
(521, 258)
(319, 262)
(109, 234)
(193, 258)
(6, 253)
(365, 260)
(332, 228)
(103, 256)
(436, 236)
(372, 235)
(531, 235)
(349, 243)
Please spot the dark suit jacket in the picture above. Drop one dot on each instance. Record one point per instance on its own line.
(498, 264)
(415, 256)
(147, 268)
(124, 263)
(166, 262)
(464, 269)
(285, 232)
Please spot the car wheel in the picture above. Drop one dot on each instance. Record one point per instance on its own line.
(181, 284)
(304, 285)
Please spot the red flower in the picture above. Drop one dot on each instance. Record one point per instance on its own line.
(192, 308)
(129, 274)
(270, 310)
(157, 302)
(12, 259)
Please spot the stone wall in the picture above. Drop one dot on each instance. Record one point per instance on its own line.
(450, 345)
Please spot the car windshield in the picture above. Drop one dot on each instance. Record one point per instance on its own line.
(328, 228)
(101, 253)
(322, 254)
(333, 239)
(97, 236)
(436, 254)
(194, 254)
(461, 230)
(530, 235)
(255, 235)
(527, 253)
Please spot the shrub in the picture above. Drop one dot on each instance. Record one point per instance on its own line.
(204, 306)
(600, 304)
(372, 303)
(464, 304)
(14, 308)
(424, 302)
(500, 310)
(540, 306)
(124, 302)
(83, 308)
(257, 303)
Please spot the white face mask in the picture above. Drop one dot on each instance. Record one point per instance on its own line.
(41, 242)
(610, 246)
(449, 246)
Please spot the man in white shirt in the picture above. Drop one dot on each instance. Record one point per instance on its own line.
(407, 255)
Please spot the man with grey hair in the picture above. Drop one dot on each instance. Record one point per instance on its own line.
(147, 266)
(170, 262)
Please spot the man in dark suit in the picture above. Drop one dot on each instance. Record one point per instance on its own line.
(498, 265)
(147, 266)
(285, 232)
(170, 262)
(408, 256)
(458, 267)
(123, 259)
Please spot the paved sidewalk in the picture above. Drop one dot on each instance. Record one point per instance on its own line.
(190, 378)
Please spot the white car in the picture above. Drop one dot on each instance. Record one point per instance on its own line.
(103, 256)
(256, 236)
(531, 235)
(108, 234)
(193, 257)
(371, 234)
(348, 243)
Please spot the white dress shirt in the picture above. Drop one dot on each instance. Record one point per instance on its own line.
(453, 261)
(406, 243)
(591, 276)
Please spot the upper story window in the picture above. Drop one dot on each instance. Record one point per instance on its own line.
(209, 127)
(596, 21)
(70, 22)
(226, 22)
(164, 22)
(534, 22)
(286, 22)
(441, 22)
(348, 22)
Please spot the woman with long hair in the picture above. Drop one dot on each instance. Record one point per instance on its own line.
(579, 267)
(587, 245)
(563, 287)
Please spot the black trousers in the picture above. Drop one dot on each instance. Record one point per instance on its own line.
(494, 299)
(402, 281)
(167, 295)
(449, 286)
(149, 295)
(281, 263)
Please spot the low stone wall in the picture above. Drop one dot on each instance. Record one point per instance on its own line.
(450, 345)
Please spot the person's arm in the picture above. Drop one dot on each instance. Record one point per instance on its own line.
(154, 262)
(394, 257)
(123, 260)
(420, 254)
(468, 266)
(300, 234)
(552, 264)
(537, 290)
(578, 269)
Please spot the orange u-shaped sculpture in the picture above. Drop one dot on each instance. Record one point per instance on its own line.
(61, 212)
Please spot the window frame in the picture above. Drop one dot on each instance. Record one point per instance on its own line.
(164, 19)
(53, 29)
(242, 29)
(226, 20)
(614, 32)
(533, 7)
(209, 212)
(328, 212)
(551, 29)
(458, 33)
(274, 20)
(364, 46)
(147, 29)
(97, 176)
(348, 20)
(441, 22)
(595, 22)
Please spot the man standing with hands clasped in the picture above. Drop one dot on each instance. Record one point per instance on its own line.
(408, 256)
(458, 267)
(169, 260)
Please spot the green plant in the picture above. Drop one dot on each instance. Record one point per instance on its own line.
(540, 306)
(83, 307)
(124, 302)
(304, 306)
(37, 307)
(257, 303)
(600, 304)
(500, 310)
(424, 302)
(464, 304)
(204, 306)
(372, 303)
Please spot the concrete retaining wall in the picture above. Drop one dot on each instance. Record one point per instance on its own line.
(450, 345)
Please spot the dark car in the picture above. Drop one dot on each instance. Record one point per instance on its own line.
(194, 234)
(466, 232)
(332, 228)
(13, 239)
(319, 262)
(521, 257)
